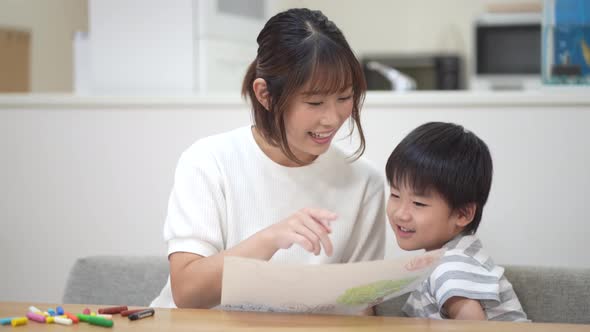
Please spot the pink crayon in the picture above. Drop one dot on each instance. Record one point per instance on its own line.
(36, 317)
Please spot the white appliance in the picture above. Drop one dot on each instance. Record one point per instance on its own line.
(161, 47)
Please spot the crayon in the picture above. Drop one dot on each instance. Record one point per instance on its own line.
(112, 310)
(17, 321)
(142, 314)
(129, 312)
(36, 317)
(35, 310)
(62, 321)
(83, 317)
(73, 317)
(94, 320)
(5, 321)
(60, 310)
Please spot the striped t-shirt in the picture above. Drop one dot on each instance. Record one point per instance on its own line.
(467, 271)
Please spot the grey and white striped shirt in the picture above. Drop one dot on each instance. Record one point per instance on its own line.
(467, 271)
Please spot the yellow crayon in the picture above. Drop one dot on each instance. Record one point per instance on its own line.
(49, 320)
(17, 321)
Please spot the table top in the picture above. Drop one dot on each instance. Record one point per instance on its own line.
(216, 320)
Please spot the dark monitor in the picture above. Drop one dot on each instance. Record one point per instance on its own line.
(508, 49)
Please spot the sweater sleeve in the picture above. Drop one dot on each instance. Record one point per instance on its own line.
(196, 208)
(368, 239)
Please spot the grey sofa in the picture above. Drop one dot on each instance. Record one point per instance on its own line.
(547, 294)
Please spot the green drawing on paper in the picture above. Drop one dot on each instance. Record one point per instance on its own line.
(369, 293)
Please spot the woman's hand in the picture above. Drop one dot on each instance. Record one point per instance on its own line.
(308, 228)
(196, 280)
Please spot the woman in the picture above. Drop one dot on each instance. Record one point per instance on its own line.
(259, 190)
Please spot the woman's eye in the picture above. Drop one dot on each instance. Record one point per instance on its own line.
(419, 204)
(345, 98)
(394, 195)
(314, 104)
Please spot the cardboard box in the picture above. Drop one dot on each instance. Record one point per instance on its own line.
(15, 60)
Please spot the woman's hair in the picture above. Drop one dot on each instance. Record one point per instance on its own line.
(448, 159)
(301, 48)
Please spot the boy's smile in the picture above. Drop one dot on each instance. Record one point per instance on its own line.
(422, 221)
(405, 232)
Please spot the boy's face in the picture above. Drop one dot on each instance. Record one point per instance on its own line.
(423, 221)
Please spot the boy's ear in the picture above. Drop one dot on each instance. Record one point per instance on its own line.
(261, 91)
(466, 214)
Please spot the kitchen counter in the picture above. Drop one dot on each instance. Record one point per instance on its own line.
(544, 97)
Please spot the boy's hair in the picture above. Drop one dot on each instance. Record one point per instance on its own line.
(300, 48)
(448, 159)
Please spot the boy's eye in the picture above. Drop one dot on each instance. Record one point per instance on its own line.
(420, 204)
(345, 98)
(394, 195)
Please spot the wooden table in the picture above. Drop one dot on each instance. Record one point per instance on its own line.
(214, 320)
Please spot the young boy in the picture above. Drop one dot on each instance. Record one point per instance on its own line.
(440, 177)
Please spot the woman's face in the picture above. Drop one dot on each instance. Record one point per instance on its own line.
(312, 120)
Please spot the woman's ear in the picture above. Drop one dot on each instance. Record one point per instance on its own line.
(466, 214)
(261, 91)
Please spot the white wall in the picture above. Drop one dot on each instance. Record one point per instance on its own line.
(87, 179)
(52, 24)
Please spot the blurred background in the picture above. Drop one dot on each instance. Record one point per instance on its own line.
(188, 47)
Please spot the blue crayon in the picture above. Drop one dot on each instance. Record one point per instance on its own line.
(60, 311)
(5, 321)
(51, 312)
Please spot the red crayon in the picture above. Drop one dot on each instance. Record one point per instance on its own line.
(112, 310)
(73, 317)
(129, 312)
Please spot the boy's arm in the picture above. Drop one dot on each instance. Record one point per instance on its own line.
(458, 307)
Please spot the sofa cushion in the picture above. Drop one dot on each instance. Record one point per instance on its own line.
(550, 294)
(547, 294)
(116, 280)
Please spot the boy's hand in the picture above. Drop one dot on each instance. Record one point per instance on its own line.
(308, 228)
